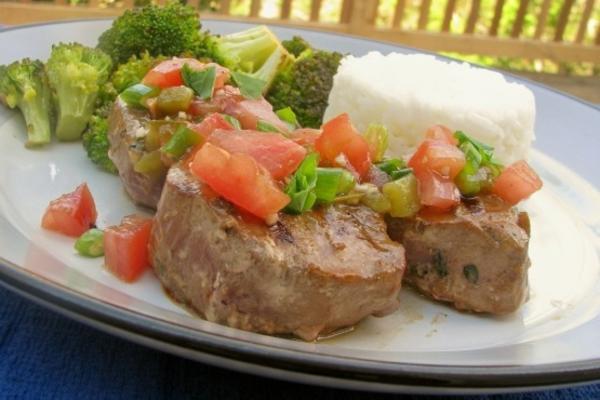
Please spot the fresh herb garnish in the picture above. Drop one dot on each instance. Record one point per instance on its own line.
(477, 156)
(135, 95)
(471, 273)
(250, 87)
(202, 82)
(439, 264)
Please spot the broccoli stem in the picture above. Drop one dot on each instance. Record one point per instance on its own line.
(71, 126)
(38, 125)
(249, 49)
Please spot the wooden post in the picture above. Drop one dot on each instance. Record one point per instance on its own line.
(473, 16)
(362, 15)
(315, 10)
(448, 14)
(518, 25)
(563, 19)
(224, 7)
(424, 14)
(498, 10)
(286, 9)
(542, 19)
(399, 13)
(585, 17)
(255, 8)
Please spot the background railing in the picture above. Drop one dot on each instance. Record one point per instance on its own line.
(534, 36)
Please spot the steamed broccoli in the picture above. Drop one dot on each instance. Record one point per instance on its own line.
(256, 51)
(134, 70)
(76, 74)
(95, 142)
(24, 84)
(169, 30)
(296, 45)
(305, 86)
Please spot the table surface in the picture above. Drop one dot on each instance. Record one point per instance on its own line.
(45, 355)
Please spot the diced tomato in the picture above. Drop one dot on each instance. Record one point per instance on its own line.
(71, 214)
(249, 112)
(222, 75)
(441, 157)
(168, 72)
(210, 124)
(239, 179)
(278, 155)
(305, 137)
(517, 182)
(340, 137)
(441, 133)
(126, 247)
(437, 191)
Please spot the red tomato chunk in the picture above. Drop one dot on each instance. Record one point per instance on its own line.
(210, 124)
(441, 133)
(517, 182)
(437, 191)
(239, 179)
(278, 155)
(340, 137)
(168, 72)
(126, 247)
(71, 214)
(433, 155)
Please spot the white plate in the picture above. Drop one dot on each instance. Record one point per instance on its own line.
(552, 339)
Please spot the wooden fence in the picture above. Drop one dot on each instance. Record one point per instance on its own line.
(358, 17)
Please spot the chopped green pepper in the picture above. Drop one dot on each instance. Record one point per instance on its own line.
(180, 142)
(91, 243)
(150, 164)
(160, 131)
(174, 99)
(403, 196)
(331, 182)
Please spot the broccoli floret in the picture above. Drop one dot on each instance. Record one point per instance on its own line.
(256, 51)
(296, 45)
(168, 30)
(133, 71)
(76, 74)
(96, 144)
(305, 86)
(24, 84)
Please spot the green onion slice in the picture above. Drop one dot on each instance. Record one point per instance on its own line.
(395, 168)
(302, 185)
(265, 126)
(136, 95)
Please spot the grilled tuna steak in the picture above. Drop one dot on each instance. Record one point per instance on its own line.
(125, 125)
(475, 259)
(306, 275)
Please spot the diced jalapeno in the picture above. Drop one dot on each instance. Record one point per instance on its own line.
(174, 99)
(150, 164)
(403, 196)
(180, 142)
(91, 243)
(376, 201)
(159, 132)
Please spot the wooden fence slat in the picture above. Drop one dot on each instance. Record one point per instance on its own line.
(448, 13)
(315, 10)
(498, 9)
(542, 19)
(518, 25)
(473, 16)
(424, 14)
(346, 11)
(585, 17)
(563, 19)
(597, 40)
(286, 9)
(399, 13)
(224, 7)
(255, 8)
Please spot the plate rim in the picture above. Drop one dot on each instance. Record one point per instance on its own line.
(271, 361)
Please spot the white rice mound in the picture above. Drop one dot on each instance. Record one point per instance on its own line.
(410, 93)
